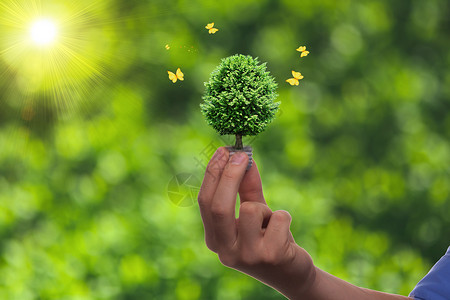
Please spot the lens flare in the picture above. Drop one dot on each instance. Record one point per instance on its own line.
(54, 55)
(43, 32)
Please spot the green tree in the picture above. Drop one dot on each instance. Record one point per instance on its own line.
(239, 97)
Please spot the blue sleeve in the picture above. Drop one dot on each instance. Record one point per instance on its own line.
(436, 284)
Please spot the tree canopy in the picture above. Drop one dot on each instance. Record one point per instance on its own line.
(239, 97)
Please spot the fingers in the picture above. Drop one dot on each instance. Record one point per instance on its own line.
(251, 186)
(252, 219)
(212, 175)
(224, 200)
(217, 196)
(205, 196)
(278, 229)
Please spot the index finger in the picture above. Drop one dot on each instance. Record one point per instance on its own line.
(207, 190)
(224, 201)
(212, 175)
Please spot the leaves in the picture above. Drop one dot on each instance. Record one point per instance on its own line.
(240, 89)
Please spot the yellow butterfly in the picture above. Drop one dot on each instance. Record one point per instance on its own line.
(167, 47)
(178, 76)
(295, 80)
(303, 51)
(211, 28)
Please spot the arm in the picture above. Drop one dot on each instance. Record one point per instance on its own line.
(259, 243)
(327, 286)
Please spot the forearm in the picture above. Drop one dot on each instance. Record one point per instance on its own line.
(300, 279)
(329, 287)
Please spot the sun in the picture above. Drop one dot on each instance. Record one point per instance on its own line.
(43, 32)
(54, 54)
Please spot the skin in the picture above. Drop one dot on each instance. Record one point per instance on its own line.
(259, 243)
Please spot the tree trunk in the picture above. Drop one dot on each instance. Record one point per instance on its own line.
(238, 145)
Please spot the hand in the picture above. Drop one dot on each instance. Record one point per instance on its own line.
(258, 243)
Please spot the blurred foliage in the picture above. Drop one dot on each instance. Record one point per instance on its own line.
(359, 153)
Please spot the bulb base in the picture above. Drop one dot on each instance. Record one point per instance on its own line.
(247, 149)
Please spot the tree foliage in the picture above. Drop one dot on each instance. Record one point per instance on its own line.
(239, 96)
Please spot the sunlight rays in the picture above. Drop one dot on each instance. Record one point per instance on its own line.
(51, 53)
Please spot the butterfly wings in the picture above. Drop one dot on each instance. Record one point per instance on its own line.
(211, 28)
(292, 81)
(296, 77)
(172, 76)
(303, 51)
(176, 76)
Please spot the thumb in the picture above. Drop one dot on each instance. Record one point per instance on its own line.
(250, 188)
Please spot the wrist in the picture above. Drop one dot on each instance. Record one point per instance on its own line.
(302, 275)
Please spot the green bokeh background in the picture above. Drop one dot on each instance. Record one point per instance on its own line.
(359, 153)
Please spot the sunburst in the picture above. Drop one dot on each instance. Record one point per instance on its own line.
(51, 53)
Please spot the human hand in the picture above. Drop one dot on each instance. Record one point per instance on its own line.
(259, 242)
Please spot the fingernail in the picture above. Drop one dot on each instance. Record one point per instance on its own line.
(238, 158)
(219, 153)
